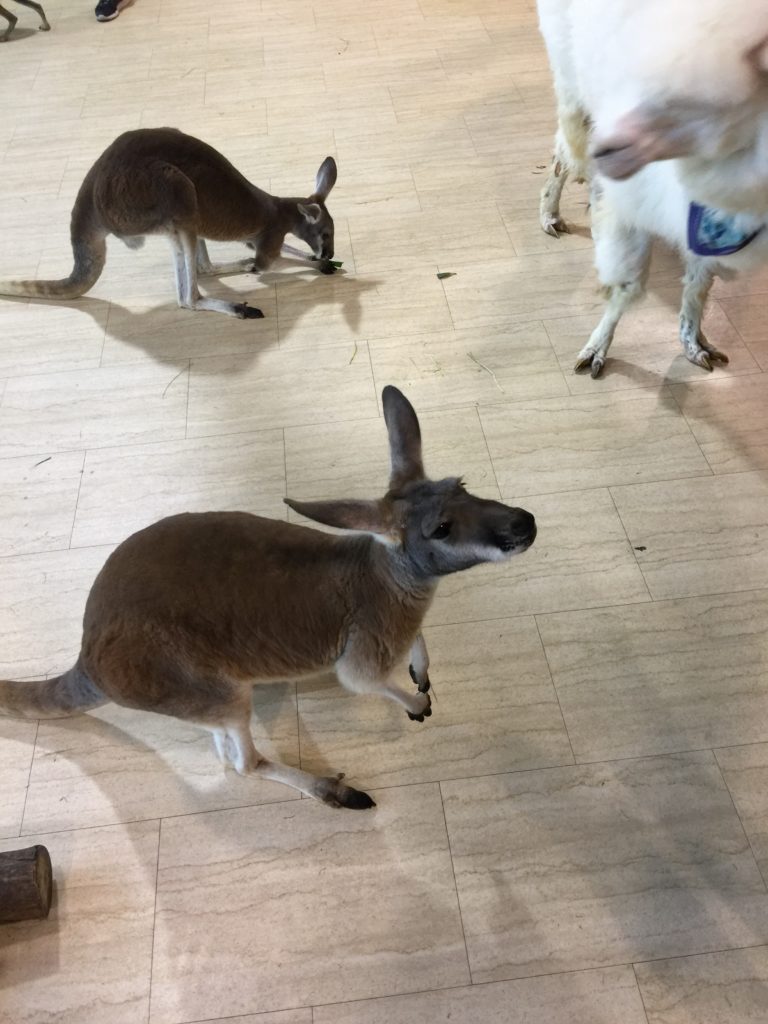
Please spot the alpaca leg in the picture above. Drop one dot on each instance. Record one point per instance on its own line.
(696, 285)
(622, 257)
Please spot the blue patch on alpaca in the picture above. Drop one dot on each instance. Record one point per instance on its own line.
(716, 233)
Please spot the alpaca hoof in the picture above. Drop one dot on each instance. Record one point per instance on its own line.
(702, 359)
(592, 362)
(554, 226)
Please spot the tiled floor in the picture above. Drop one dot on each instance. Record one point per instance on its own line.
(579, 834)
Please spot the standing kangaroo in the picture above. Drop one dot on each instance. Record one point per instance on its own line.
(158, 181)
(188, 614)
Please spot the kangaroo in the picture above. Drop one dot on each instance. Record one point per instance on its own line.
(12, 19)
(187, 615)
(159, 181)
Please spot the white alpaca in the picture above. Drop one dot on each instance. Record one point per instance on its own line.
(664, 104)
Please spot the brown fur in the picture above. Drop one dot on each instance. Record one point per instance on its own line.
(177, 621)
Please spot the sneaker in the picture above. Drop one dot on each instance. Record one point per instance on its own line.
(108, 10)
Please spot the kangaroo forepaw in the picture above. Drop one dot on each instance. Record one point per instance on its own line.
(246, 312)
(423, 684)
(423, 714)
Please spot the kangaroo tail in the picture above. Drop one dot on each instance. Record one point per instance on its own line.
(66, 695)
(89, 249)
(90, 255)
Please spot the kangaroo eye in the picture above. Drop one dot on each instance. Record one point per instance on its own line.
(442, 531)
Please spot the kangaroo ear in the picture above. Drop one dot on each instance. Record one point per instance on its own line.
(404, 438)
(325, 178)
(311, 212)
(364, 516)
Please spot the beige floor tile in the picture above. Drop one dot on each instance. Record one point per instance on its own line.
(17, 743)
(117, 765)
(94, 408)
(747, 314)
(45, 338)
(330, 311)
(42, 609)
(745, 769)
(223, 126)
(588, 997)
(318, 906)
(338, 108)
(301, 1016)
(230, 85)
(89, 962)
(581, 559)
(661, 677)
(646, 351)
(590, 441)
(704, 536)
(428, 240)
(125, 489)
(729, 419)
(352, 459)
(22, 178)
(719, 988)
(503, 717)
(491, 364)
(557, 444)
(234, 394)
(39, 493)
(391, 147)
(591, 866)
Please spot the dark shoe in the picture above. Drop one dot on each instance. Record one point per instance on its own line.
(108, 10)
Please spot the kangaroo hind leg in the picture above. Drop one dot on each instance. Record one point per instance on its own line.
(11, 19)
(235, 743)
(186, 256)
(44, 26)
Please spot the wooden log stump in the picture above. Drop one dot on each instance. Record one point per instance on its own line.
(26, 883)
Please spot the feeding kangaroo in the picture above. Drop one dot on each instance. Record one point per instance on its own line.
(189, 614)
(158, 181)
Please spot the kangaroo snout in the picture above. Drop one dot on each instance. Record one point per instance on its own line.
(519, 534)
